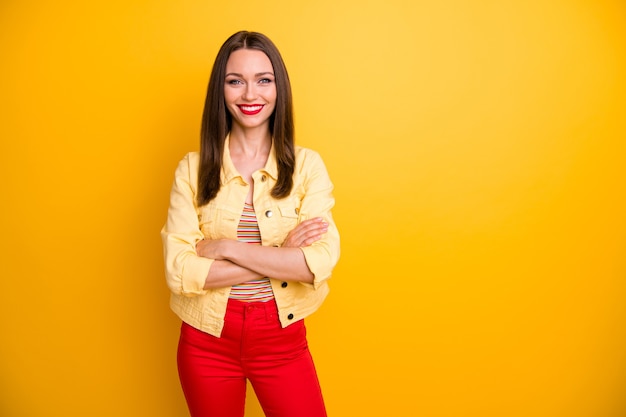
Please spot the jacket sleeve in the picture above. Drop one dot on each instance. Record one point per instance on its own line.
(185, 271)
(322, 256)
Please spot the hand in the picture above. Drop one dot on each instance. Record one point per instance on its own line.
(305, 233)
(211, 249)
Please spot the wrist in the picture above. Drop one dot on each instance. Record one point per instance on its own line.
(226, 248)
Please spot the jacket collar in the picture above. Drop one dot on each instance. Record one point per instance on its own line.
(229, 172)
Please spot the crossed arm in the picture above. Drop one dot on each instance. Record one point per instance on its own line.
(238, 262)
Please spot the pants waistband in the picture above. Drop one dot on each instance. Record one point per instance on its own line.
(248, 309)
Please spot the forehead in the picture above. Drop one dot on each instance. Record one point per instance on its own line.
(251, 61)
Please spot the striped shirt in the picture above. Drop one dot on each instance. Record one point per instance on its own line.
(248, 231)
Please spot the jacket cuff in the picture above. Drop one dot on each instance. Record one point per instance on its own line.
(194, 275)
(316, 258)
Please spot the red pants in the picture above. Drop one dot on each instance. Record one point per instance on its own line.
(277, 361)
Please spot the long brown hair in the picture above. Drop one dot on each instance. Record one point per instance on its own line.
(217, 121)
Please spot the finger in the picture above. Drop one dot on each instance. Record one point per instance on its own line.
(309, 223)
(306, 232)
(301, 229)
(313, 236)
(310, 234)
(317, 224)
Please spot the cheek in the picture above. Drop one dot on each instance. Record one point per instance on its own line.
(271, 98)
(229, 96)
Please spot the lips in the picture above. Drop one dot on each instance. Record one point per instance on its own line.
(250, 109)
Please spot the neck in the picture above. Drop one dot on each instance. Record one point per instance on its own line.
(250, 142)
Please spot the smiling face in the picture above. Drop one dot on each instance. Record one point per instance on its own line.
(250, 89)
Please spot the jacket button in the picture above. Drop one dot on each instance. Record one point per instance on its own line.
(269, 213)
(284, 285)
(297, 210)
(290, 316)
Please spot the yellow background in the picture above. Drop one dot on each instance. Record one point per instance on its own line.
(477, 148)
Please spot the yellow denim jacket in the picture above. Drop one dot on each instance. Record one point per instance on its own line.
(186, 272)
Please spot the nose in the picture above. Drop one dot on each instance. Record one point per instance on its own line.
(249, 93)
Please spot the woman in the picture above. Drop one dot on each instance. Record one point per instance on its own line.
(249, 243)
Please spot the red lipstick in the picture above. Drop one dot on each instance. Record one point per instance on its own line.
(250, 109)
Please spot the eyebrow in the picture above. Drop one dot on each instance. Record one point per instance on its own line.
(258, 74)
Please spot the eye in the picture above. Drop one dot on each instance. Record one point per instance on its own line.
(234, 81)
(265, 81)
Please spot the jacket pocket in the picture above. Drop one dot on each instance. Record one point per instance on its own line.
(218, 221)
(290, 215)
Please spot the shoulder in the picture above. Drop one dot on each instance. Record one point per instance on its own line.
(301, 151)
(186, 174)
(306, 158)
(310, 166)
(189, 163)
(192, 158)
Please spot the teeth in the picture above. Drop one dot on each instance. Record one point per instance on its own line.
(251, 108)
